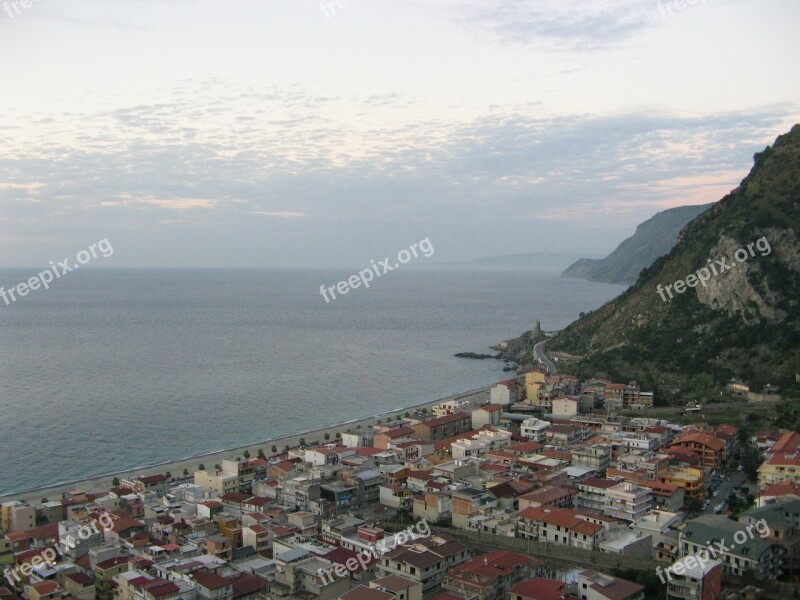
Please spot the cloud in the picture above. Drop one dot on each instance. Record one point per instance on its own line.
(281, 214)
(559, 24)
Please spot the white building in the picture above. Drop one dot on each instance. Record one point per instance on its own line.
(534, 429)
(565, 407)
(504, 392)
(628, 501)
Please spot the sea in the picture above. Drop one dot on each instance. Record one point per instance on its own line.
(109, 370)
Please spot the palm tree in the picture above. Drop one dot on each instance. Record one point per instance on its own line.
(217, 467)
(274, 449)
(115, 482)
(202, 467)
(168, 474)
(286, 449)
(261, 453)
(246, 454)
(186, 472)
(302, 442)
(338, 435)
(327, 436)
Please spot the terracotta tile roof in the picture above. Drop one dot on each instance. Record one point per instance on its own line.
(45, 587)
(211, 581)
(539, 588)
(451, 418)
(703, 439)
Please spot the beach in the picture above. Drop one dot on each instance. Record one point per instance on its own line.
(104, 482)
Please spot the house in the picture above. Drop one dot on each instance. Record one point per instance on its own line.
(688, 478)
(384, 439)
(760, 556)
(599, 586)
(779, 467)
(425, 561)
(534, 429)
(539, 588)
(400, 588)
(698, 582)
(504, 392)
(490, 576)
(469, 502)
(709, 448)
(358, 438)
(211, 586)
(548, 496)
(566, 527)
(488, 414)
(565, 407)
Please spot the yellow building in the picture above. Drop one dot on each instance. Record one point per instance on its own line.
(533, 379)
(689, 478)
(777, 468)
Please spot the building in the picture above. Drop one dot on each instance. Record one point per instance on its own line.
(504, 392)
(599, 586)
(778, 468)
(710, 449)
(628, 501)
(442, 427)
(760, 556)
(698, 582)
(17, 516)
(592, 494)
(566, 527)
(488, 414)
(688, 478)
(425, 561)
(534, 429)
(539, 588)
(565, 407)
(400, 588)
(490, 576)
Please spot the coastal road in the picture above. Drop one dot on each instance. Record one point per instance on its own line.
(548, 364)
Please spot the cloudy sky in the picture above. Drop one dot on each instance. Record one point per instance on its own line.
(282, 133)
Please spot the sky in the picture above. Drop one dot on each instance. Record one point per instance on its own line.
(296, 133)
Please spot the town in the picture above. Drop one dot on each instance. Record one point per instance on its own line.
(540, 487)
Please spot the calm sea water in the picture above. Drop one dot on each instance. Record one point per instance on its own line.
(109, 370)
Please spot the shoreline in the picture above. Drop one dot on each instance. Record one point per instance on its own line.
(192, 463)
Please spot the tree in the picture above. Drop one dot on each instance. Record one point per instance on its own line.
(286, 448)
(274, 449)
(217, 467)
(407, 415)
(261, 453)
(202, 467)
(302, 442)
(338, 435)
(186, 472)
(327, 436)
(246, 454)
(115, 482)
(169, 475)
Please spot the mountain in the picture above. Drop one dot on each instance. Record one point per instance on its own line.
(653, 238)
(735, 311)
(533, 261)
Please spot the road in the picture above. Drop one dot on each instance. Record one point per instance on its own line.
(548, 364)
(736, 479)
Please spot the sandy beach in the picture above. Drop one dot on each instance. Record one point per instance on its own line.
(176, 468)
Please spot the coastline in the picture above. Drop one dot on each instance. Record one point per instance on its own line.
(100, 483)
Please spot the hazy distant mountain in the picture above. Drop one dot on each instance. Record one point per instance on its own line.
(653, 238)
(535, 261)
